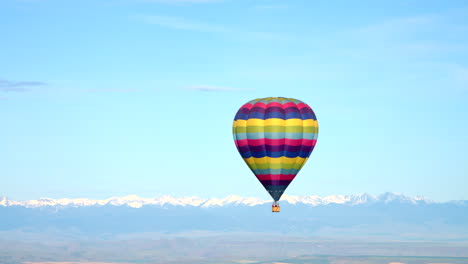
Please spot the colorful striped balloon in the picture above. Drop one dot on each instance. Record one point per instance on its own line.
(275, 136)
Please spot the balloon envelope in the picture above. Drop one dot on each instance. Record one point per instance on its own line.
(275, 136)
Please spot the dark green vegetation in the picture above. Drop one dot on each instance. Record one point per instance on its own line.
(210, 248)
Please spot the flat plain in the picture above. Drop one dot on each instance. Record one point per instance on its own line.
(225, 248)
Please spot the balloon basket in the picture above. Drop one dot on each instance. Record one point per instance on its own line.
(275, 208)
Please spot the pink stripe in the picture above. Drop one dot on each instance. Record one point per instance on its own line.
(285, 105)
(247, 106)
(290, 104)
(276, 177)
(263, 105)
(275, 142)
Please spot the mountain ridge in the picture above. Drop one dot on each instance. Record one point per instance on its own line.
(389, 215)
(231, 200)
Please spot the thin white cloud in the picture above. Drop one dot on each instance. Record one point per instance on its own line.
(272, 6)
(461, 76)
(398, 25)
(180, 23)
(179, 1)
(112, 90)
(414, 27)
(21, 86)
(208, 88)
(185, 1)
(415, 37)
(174, 2)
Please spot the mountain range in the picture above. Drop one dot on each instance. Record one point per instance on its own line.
(233, 200)
(389, 215)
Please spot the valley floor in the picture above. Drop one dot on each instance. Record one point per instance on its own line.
(221, 248)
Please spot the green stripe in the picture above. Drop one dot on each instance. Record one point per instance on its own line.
(276, 100)
(276, 171)
(272, 135)
(276, 129)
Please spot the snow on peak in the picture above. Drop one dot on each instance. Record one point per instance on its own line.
(232, 200)
(4, 201)
(390, 197)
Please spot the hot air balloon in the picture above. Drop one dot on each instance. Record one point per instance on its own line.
(275, 136)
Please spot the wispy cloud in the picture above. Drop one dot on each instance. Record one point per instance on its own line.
(427, 26)
(461, 76)
(272, 6)
(180, 23)
(399, 25)
(208, 88)
(21, 86)
(179, 1)
(112, 90)
(416, 37)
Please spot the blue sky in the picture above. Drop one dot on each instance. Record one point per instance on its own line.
(115, 97)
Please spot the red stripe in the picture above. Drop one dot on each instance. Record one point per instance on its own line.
(276, 177)
(285, 105)
(263, 105)
(247, 106)
(276, 142)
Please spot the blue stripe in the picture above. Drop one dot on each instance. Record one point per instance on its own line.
(269, 148)
(275, 182)
(276, 191)
(278, 154)
(244, 116)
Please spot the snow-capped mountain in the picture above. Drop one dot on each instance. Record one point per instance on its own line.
(392, 214)
(137, 202)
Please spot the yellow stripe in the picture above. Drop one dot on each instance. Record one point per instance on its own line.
(275, 163)
(275, 122)
(286, 160)
(310, 122)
